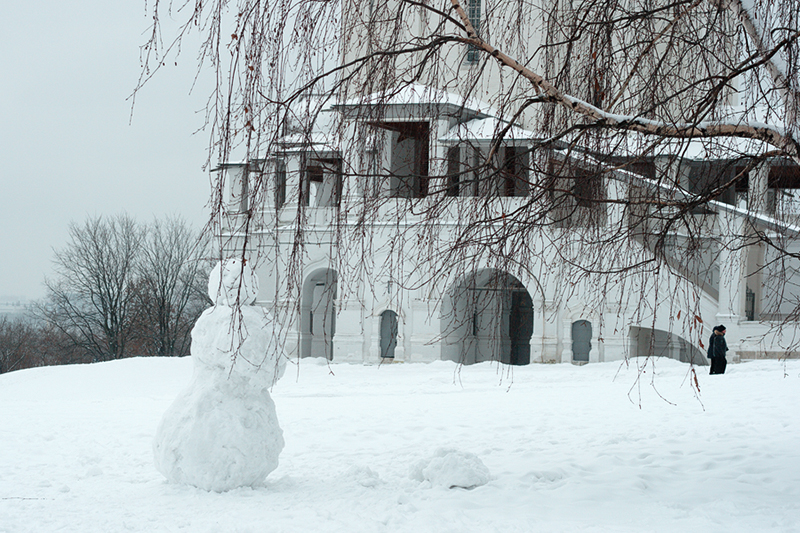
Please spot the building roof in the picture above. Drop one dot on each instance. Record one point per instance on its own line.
(319, 140)
(484, 130)
(414, 100)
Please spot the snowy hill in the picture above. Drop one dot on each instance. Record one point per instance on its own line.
(568, 449)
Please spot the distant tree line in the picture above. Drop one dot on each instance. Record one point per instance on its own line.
(121, 288)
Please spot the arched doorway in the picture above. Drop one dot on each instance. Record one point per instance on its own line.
(318, 314)
(520, 326)
(388, 334)
(487, 317)
(581, 341)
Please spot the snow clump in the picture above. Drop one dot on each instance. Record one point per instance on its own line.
(451, 469)
(222, 431)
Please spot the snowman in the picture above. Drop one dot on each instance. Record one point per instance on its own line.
(222, 432)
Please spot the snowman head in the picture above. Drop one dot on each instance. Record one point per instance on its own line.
(232, 279)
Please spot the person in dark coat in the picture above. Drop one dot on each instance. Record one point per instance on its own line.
(717, 347)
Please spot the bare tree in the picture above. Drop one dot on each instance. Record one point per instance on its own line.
(613, 100)
(28, 343)
(121, 289)
(171, 292)
(15, 344)
(90, 300)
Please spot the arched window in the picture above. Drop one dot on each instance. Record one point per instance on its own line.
(581, 341)
(388, 334)
(318, 314)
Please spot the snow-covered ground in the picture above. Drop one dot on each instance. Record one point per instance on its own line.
(568, 449)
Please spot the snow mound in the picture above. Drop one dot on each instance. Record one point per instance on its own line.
(451, 469)
(364, 476)
(219, 436)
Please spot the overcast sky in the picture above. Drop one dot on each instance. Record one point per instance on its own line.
(69, 147)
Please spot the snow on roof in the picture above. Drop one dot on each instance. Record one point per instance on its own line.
(441, 101)
(320, 140)
(729, 147)
(635, 144)
(631, 143)
(719, 148)
(485, 129)
(224, 165)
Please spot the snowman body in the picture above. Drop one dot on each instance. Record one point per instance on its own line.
(222, 431)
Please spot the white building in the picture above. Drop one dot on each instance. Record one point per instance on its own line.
(383, 233)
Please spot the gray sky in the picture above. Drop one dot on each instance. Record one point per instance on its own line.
(68, 150)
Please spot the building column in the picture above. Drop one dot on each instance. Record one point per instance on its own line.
(758, 186)
(348, 342)
(371, 347)
(616, 190)
(233, 178)
(674, 346)
(353, 143)
(266, 208)
(426, 344)
(566, 348)
(437, 160)
(614, 347)
(383, 174)
(237, 175)
(546, 343)
(732, 287)
(597, 348)
(293, 169)
(757, 201)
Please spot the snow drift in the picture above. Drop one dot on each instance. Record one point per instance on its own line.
(603, 447)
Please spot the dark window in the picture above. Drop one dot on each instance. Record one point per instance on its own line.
(577, 194)
(646, 169)
(280, 184)
(586, 188)
(408, 174)
(784, 177)
(321, 184)
(742, 184)
(515, 172)
(784, 190)
(708, 178)
(453, 171)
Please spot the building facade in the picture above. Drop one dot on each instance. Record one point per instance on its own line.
(419, 222)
